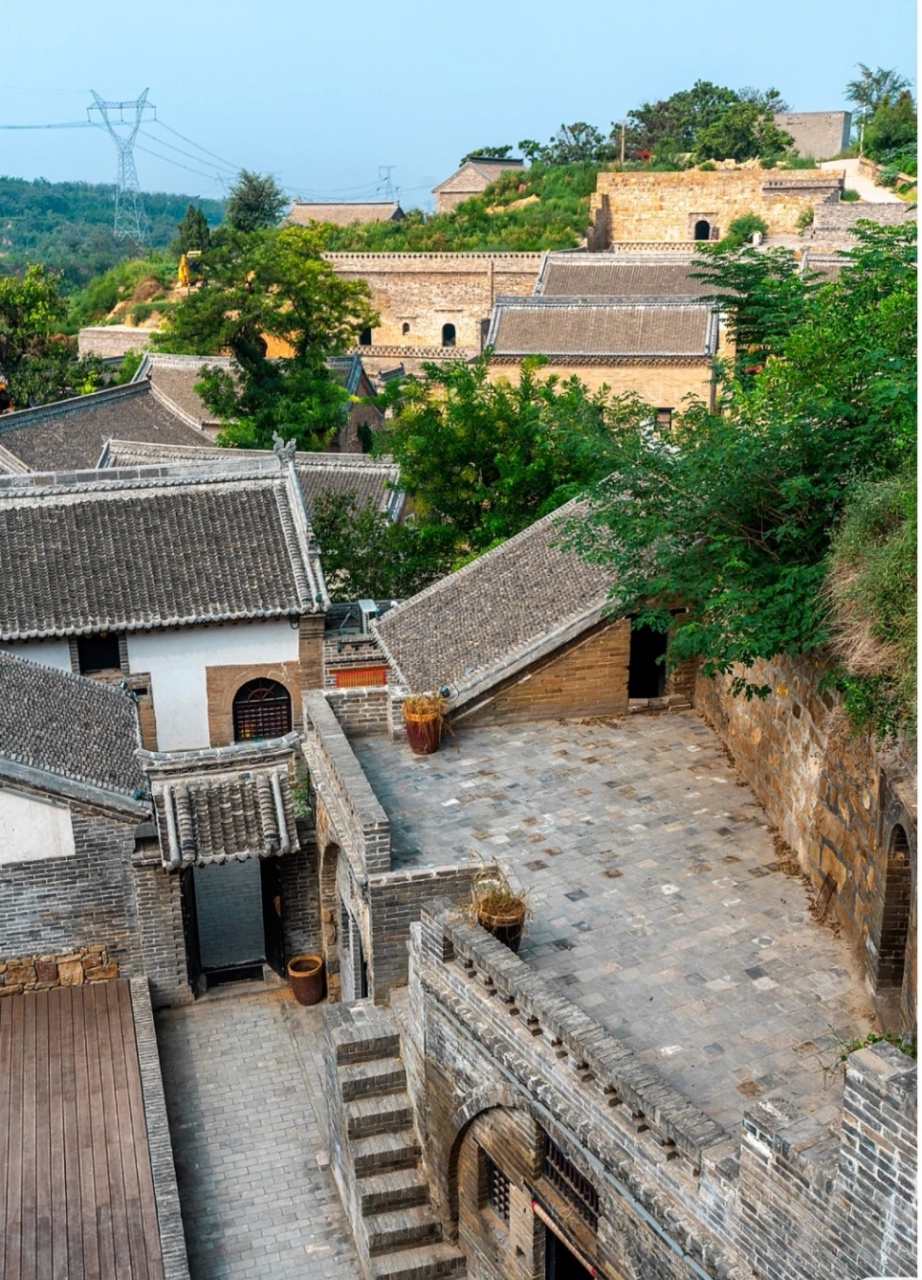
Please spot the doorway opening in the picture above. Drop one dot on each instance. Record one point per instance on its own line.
(449, 335)
(647, 669)
(894, 929)
(262, 709)
(233, 921)
(702, 229)
(559, 1262)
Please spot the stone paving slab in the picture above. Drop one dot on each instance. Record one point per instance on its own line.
(658, 904)
(243, 1080)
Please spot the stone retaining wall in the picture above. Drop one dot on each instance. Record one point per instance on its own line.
(58, 969)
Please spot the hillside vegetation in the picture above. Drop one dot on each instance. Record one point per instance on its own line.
(67, 226)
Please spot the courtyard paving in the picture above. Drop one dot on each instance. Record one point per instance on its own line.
(658, 901)
(243, 1080)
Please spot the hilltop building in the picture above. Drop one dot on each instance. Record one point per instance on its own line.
(820, 135)
(343, 213)
(473, 177)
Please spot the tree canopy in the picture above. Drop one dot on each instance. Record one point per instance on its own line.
(255, 202)
(481, 460)
(193, 232)
(39, 364)
(732, 516)
(261, 285)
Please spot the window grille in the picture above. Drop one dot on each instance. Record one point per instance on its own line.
(262, 709)
(497, 1187)
(563, 1175)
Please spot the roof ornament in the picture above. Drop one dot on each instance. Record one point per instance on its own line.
(285, 452)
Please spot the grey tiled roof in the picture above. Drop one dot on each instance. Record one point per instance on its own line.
(472, 628)
(370, 479)
(136, 548)
(68, 727)
(224, 803)
(600, 327)
(174, 379)
(71, 434)
(619, 275)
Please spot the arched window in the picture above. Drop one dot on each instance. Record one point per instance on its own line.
(702, 229)
(448, 335)
(262, 709)
(365, 338)
(405, 328)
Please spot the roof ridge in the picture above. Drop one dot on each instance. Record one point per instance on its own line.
(151, 476)
(472, 565)
(17, 418)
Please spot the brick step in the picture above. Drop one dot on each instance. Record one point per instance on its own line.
(362, 1033)
(432, 1262)
(370, 1079)
(387, 1114)
(384, 1153)
(399, 1189)
(402, 1229)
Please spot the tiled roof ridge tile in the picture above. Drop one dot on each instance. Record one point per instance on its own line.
(42, 484)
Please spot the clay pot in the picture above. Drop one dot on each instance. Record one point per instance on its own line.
(506, 928)
(424, 732)
(305, 974)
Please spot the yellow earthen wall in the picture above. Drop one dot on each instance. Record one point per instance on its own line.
(664, 206)
(661, 385)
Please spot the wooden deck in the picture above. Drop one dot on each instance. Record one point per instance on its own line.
(76, 1188)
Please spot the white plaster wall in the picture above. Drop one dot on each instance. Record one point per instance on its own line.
(49, 653)
(176, 661)
(33, 829)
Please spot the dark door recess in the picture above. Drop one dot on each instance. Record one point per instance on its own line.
(647, 673)
(271, 874)
(559, 1262)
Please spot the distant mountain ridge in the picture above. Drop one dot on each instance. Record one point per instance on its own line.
(68, 225)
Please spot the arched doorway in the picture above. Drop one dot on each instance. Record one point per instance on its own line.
(262, 709)
(449, 335)
(365, 338)
(702, 229)
(894, 927)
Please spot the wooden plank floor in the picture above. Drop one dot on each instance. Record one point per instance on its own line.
(76, 1188)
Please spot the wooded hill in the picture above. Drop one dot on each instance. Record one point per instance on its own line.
(67, 226)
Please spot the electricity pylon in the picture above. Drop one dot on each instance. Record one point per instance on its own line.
(131, 221)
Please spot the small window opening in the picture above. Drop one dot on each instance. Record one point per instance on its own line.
(98, 653)
(262, 709)
(365, 338)
(664, 419)
(702, 229)
(894, 930)
(448, 335)
(562, 1174)
(404, 328)
(496, 1189)
(646, 673)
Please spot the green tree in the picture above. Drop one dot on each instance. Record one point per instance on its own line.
(571, 144)
(488, 153)
(871, 89)
(366, 555)
(39, 364)
(255, 202)
(762, 293)
(193, 232)
(893, 127)
(671, 126)
(745, 130)
(481, 460)
(270, 284)
(732, 517)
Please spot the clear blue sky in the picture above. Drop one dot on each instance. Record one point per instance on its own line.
(320, 95)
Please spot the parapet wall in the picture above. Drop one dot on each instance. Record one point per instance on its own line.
(678, 1197)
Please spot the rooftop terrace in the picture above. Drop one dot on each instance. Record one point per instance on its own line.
(658, 901)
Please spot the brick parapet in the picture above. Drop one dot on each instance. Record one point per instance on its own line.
(338, 780)
(360, 711)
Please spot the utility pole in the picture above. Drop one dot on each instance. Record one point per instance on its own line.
(130, 218)
(384, 175)
(623, 123)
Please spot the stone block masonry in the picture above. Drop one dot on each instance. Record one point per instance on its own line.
(68, 969)
(498, 1049)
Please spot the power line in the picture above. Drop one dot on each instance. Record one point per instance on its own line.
(161, 142)
(70, 124)
(211, 177)
(214, 156)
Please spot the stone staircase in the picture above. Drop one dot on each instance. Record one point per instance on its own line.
(375, 1152)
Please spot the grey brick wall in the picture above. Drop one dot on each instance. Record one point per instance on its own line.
(160, 927)
(62, 904)
(360, 711)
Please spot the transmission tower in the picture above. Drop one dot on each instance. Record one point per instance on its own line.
(131, 221)
(384, 175)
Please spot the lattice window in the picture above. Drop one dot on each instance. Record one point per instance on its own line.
(562, 1174)
(262, 709)
(497, 1189)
